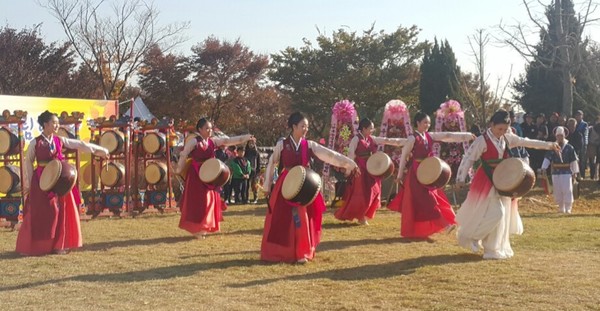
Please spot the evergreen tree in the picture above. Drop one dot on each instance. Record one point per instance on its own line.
(439, 77)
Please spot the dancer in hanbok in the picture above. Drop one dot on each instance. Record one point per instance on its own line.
(362, 196)
(200, 203)
(486, 219)
(565, 167)
(425, 211)
(292, 233)
(50, 222)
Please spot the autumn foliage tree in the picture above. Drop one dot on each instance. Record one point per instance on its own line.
(225, 74)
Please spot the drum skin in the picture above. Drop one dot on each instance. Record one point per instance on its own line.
(10, 182)
(155, 173)
(63, 132)
(154, 143)
(214, 172)
(58, 177)
(301, 185)
(86, 174)
(513, 178)
(434, 172)
(113, 174)
(380, 165)
(9, 142)
(113, 141)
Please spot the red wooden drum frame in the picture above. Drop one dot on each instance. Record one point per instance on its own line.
(434, 173)
(301, 185)
(9, 142)
(380, 165)
(113, 140)
(58, 177)
(113, 174)
(513, 178)
(10, 182)
(214, 172)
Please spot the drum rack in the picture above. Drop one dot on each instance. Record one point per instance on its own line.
(65, 120)
(112, 198)
(160, 196)
(11, 206)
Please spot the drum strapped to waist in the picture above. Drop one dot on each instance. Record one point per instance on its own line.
(58, 177)
(433, 172)
(380, 165)
(301, 185)
(113, 140)
(10, 180)
(154, 142)
(9, 142)
(513, 178)
(214, 172)
(113, 174)
(156, 173)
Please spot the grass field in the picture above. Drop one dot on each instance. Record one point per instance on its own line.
(147, 263)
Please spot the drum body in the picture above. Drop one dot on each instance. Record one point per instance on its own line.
(434, 172)
(188, 137)
(301, 185)
(113, 174)
(9, 142)
(155, 173)
(154, 143)
(113, 140)
(513, 178)
(10, 181)
(186, 168)
(214, 172)
(86, 174)
(58, 177)
(380, 165)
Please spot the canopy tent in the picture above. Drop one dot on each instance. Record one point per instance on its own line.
(140, 110)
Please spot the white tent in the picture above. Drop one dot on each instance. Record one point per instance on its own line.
(140, 110)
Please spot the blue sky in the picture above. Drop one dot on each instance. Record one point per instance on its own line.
(269, 26)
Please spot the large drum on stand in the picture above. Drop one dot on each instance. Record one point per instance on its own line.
(214, 172)
(513, 178)
(380, 165)
(58, 177)
(10, 182)
(113, 140)
(65, 132)
(9, 142)
(301, 185)
(154, 142)
(156, 173)
(188, 137)
(86, 174)
(434, 172)
(113, 174)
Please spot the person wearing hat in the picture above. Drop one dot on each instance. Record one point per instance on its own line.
(564, 168)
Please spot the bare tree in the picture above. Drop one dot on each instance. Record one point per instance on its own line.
(565, 47)
(113, 46)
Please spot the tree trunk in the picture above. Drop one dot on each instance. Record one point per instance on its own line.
(567, 97)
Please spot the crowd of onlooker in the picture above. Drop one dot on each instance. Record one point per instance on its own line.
(584, 137)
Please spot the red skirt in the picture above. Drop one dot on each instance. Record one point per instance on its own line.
(362, 197)
(200, 205)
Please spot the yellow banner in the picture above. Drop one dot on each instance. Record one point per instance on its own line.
(36, 105)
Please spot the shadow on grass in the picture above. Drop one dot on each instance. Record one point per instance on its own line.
(259, 210)
(161, 273)
(339, 225)
(370, 272)
(244, 232)
(333, 245)
(558, 215)
(135, 242)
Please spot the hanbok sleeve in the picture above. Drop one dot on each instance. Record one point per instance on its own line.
(272, 165)
(28, 166)
(477, 148)
(404, 157)
(352, 147)
(546, 163)
(229, 141)
(187, 148)
(451, 137)
(334, 158)
(516, 141)
(84, 147)
(398, 142)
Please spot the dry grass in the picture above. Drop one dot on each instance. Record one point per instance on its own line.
(147, 263)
